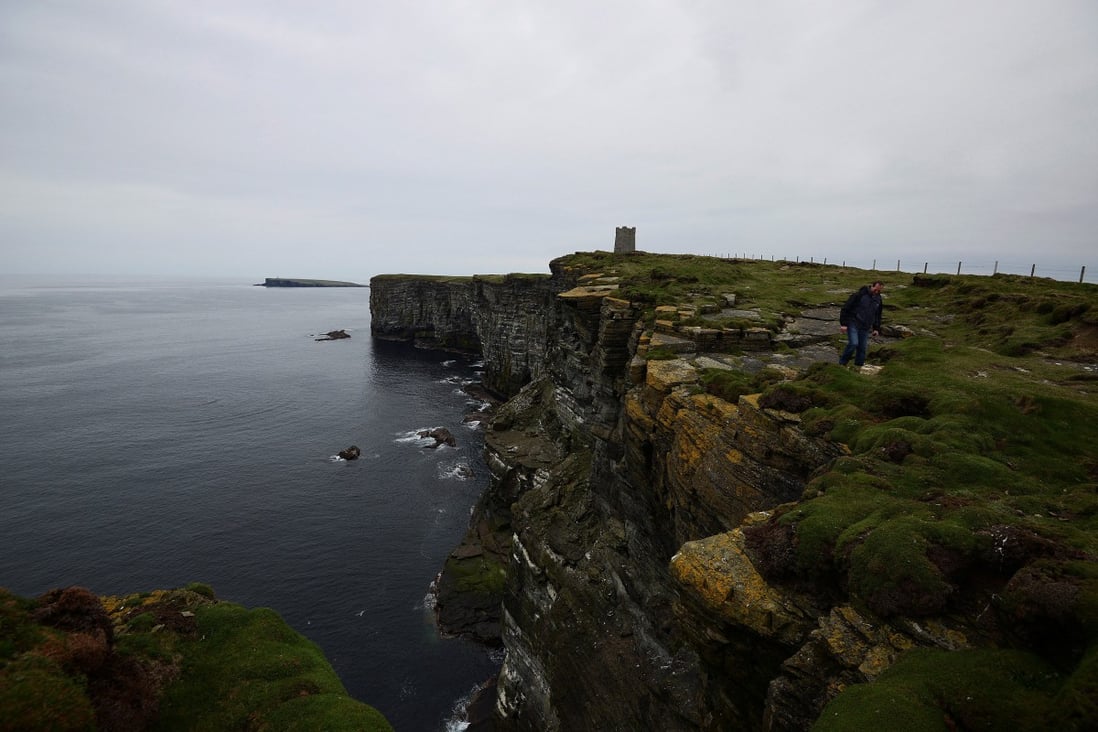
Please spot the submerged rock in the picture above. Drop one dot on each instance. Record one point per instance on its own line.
(441, 435)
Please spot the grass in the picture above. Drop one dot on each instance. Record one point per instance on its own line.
(163, 660)
(246, 669)
(971, 479)
(930, 690)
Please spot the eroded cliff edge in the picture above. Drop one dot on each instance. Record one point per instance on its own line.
(639, 551)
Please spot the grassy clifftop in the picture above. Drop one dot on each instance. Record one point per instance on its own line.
(968, 488)
(163, 660)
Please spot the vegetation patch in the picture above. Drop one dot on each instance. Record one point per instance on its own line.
(163, 660)
(928, 690)
(970, 487)
(731, 384)
(246, 669)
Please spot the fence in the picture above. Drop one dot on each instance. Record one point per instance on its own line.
(1064, 274)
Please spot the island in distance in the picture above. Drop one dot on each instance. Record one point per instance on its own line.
(294, 282)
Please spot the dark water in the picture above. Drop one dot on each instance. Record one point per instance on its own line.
(156, 434)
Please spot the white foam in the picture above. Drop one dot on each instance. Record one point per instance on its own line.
(459, 715)
(430, 600)
(455, 471)
(412, 437)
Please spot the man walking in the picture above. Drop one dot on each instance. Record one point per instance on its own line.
(859, 318)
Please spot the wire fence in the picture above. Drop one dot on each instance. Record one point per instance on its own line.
(960, 267)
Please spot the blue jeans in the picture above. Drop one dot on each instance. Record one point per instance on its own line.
(857, 340)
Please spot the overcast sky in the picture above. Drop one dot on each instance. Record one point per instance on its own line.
(342, 139)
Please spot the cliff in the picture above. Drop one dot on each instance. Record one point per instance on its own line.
(698, 521)
(166, 660)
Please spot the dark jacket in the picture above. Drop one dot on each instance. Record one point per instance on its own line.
(862, 310)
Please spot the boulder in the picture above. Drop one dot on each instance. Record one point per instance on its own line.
(351, 453)
(441, 435)
(334, 335)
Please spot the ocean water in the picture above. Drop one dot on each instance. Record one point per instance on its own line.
(154, 434)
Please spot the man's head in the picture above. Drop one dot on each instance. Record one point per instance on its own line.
(876, 287)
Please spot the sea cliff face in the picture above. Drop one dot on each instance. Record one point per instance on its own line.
(503, 318)
(629, 511)
(603, 469)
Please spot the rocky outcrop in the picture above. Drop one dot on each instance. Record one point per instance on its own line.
(426, 312)
(440, 435)
(603, 467)
(165, 660)
(627, 549)
(505, 319)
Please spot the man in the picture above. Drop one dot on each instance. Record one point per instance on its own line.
(859, 318)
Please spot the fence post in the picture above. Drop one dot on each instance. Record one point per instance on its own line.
(924, 266)
(897, 265)
(996, 270)
(1082, 272)
(1032, 270)
(874, 265)
(958, 268)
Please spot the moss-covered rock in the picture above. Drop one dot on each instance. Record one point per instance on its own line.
(163, 660)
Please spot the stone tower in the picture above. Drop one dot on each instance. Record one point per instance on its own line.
(625, 240)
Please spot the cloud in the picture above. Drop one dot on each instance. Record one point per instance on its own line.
(235, 138)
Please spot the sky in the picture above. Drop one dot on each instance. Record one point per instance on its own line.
(342, 139)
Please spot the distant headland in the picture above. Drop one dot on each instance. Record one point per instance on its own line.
(294, 282)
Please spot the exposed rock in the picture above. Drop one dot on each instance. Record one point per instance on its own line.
(440, 435)
(603, 466)
(351, 453)
(631, 596)
(334, 335)
(717, 571)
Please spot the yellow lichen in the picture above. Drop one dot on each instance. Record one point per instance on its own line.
(718, 572)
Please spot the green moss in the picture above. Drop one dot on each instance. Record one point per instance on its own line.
(477, 575)
(794, 396)
(142, 623)
(729, 384)
(948, 690)
(18, 633)
(37, 694)
(200, 588)
(248, 670)
(147, 645)
(971, 479)
(660, 354)
(1075, 707)
(889, 568)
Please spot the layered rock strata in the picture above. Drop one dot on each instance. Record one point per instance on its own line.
(618, 493)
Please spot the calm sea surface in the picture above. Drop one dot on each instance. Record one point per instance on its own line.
(156, 434)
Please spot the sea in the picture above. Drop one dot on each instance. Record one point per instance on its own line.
(158, 433)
